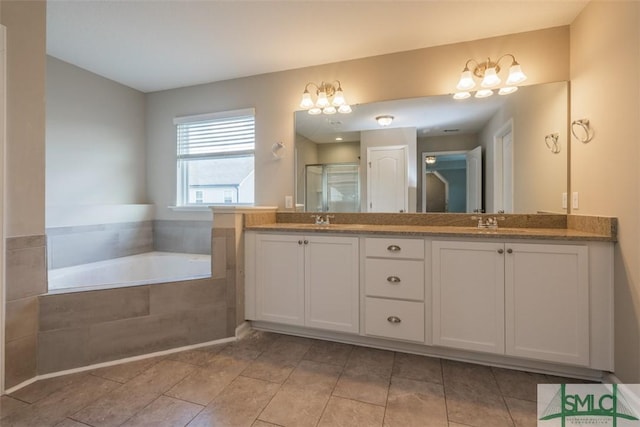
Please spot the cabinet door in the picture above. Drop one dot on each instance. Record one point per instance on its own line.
(547, 302)
(468, 295)
(280, 278)
(331, 283)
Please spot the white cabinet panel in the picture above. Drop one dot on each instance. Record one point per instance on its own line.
(331, 283)
(547, 302)
(279, 278)
(403, 320)
(395, 278)
(468, 295)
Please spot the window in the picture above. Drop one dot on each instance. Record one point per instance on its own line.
(216, 158)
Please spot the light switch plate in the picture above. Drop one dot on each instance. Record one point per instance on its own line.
(288, 202)
(564, 200)
(574, 200)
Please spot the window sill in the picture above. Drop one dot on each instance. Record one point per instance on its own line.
(206, 208)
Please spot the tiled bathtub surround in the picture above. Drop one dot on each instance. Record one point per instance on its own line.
(67, 246)
(26, 277)
(190, 237)
(84, 328)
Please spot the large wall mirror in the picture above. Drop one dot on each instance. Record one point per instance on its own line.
(497, 154)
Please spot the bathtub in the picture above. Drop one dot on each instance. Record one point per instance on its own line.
(142, 269)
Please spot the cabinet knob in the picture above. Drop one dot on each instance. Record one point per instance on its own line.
(393, 279)
(306, 242)
(500, 251)
(393, 248)
(299, 242)
(509, 251)
(393, 319)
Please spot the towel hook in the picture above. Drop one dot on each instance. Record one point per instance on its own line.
(275, 148)
(551, 141)
(586, 128)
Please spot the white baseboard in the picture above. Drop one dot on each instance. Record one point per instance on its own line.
(121, 361)
(243, 330)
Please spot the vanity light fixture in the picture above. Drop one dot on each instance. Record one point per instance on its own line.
(430, 160)
(384, 120)
(329, 99)
(487, 73)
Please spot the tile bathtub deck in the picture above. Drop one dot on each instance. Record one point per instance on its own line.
(269, 379)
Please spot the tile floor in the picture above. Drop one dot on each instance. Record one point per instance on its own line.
(269, 379)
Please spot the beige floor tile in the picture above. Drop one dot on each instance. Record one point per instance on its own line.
(215, 348)
(9, 405)
(60, 404)
(260, 423)
(43, 388)
(205, 383)
(523, 412)
(329, 352)
(193, 357)
(239, 404)
(270, 367)
(351, 413)
(415, 403)
(364, 360)
(451, 424)
(477, 377)
(126, 371)
(473, 405)
(302, 398)
(165, 412)
(68, 422)
(519, 384)
(419, 368)
(289, 349)
(367, 387)
(116, 407)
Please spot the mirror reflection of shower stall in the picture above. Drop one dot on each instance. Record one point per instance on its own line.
(332, 187)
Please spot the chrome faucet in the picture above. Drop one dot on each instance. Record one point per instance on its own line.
(488, 222)
(319, 220)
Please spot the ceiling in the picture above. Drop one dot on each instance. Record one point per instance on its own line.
(156, 45)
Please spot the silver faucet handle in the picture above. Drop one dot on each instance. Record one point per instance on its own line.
(318, 219)
(328, 217)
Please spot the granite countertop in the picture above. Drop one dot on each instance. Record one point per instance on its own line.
(438, 230)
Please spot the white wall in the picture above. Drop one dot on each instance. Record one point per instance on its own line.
(605, 67)
(95, 140)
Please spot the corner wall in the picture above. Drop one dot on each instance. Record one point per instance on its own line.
(605, 65)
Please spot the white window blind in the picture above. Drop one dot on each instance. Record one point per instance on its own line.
(215, 158)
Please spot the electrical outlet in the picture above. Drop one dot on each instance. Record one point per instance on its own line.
(574, 200)
(564, 200)
(288, 202)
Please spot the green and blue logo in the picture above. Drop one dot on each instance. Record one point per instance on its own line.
(588, 404)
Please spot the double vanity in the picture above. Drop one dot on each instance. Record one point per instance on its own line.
(534, 293)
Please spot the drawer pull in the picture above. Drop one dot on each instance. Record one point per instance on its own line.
(393, 248)
(393, 279)
(393, 319)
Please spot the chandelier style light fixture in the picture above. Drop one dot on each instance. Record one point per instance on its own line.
(329, 99)
(487, 73)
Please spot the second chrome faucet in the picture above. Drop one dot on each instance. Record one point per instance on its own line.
(319, 220)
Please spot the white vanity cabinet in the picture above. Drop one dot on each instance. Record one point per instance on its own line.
(394, 288)
(520, 299)
(307, 280)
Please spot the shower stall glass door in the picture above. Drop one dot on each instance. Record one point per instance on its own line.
(333, 187)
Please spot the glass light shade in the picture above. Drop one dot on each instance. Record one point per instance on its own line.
(315, 110)
(507, 90)
(466, 82)
(338, 98)
(484, 93)
(306, 102)
(461, 95)
(344, 109)
(384, 120)
(430, 160)
(329, 110)
(322, 100)
(516, 76)
(490, 79)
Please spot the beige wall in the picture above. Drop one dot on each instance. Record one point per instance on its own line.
(95, 140)
(25, 165)
(424, 72)
(605, 65)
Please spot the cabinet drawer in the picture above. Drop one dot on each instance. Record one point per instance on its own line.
(394, 278)
(409, 319)
(394, 248)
